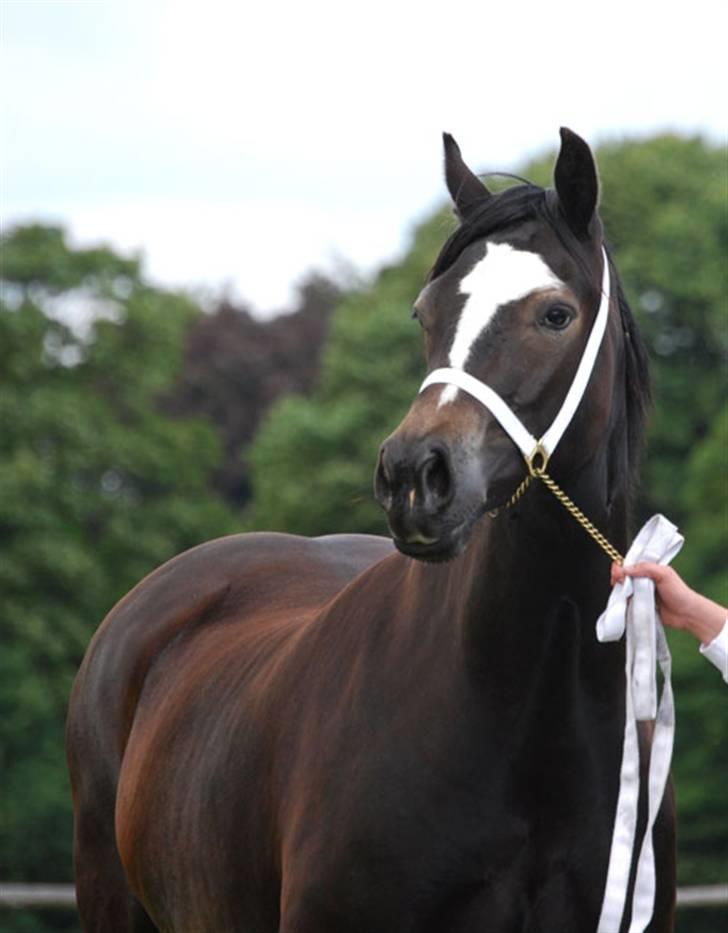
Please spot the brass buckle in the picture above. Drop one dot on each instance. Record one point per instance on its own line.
(534, 468)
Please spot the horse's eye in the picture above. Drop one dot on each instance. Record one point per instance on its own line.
(557, 317)
(417, 317)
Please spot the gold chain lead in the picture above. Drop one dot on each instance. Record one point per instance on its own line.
(581, 518)
(569, 505)
(514, 498)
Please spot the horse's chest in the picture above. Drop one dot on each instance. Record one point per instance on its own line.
(497, 878)
(459, 820)
(446, 850)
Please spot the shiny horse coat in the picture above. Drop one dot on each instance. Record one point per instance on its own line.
(273, 733)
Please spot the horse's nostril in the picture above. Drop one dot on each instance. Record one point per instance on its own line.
(413, 476)
(436, 479)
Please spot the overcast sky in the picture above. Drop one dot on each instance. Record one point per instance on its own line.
(238, 145)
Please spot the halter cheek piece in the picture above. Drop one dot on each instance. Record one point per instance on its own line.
(631, 612)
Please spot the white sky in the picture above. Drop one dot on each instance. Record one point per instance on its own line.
(240, 144)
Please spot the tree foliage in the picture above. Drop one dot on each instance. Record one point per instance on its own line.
(97, 488)
(664, 205)
(236, 365)
(313, 459)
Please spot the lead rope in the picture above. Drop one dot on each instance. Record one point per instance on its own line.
(539, 472)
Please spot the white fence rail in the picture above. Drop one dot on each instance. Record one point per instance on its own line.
(64, 895)
(37, 895)
(703, 895)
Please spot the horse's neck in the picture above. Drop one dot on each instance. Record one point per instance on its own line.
(531, 586)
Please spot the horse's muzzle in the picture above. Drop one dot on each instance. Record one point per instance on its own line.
(430, 509)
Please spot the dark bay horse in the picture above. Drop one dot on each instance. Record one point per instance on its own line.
(273, 733)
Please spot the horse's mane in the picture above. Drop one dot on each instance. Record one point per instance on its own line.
(528, 202)
(638, 393)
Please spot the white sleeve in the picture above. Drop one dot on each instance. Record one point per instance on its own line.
(717, 651)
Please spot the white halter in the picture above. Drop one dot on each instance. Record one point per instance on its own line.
(645, 641)
(522, 438)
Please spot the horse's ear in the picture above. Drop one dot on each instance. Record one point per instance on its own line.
(577, 185)
(465, 188)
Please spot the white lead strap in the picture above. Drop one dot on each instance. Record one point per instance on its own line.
(631, 610)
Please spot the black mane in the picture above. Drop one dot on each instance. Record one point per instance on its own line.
(638, 394)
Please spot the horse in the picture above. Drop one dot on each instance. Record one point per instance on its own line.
(274, 734)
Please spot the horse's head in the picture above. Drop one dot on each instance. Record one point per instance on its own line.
(511, 300)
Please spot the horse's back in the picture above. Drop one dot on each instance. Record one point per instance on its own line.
(239, 575)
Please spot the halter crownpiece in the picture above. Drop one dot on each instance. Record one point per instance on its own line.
(631, 612)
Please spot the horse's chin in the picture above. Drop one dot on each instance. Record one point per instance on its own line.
(449, 544)
(452, 538)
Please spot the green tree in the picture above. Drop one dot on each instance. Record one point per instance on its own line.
(96, 489)
(313, 459)
(665, 209)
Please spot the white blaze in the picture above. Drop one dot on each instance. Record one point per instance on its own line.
(503, 275)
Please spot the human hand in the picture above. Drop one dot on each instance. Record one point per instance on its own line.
(680, 606)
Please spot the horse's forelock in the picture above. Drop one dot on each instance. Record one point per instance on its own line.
(510, 208)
